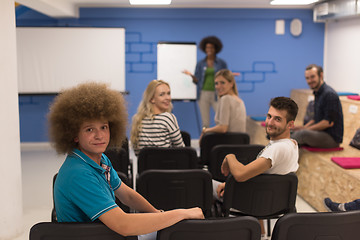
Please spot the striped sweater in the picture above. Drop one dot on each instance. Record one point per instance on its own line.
(161, 131)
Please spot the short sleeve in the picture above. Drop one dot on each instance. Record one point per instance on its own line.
(276, 153)
(283, 155)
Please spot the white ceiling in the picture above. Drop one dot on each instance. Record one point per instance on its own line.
(70, 8)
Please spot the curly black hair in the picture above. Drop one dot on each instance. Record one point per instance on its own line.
(212, 40)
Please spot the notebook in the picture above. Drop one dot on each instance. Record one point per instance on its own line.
(347, 162)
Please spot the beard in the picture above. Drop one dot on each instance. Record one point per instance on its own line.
(317, 86)
(276, 131)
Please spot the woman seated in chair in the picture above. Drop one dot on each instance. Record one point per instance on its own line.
(154, 125)
(230, 115)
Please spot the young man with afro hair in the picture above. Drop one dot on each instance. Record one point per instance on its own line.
(83, 122)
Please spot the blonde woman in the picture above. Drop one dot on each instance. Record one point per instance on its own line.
(154, 125)
(230, 115)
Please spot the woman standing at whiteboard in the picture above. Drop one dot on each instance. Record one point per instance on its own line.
(154, 125)
(204, 76)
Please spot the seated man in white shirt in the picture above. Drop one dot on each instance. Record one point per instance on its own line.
(280, 156)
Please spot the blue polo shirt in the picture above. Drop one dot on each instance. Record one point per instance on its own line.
(84, 190)
(328, 106)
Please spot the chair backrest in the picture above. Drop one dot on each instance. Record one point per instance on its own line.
(186, 138)
(234, 228)
(318, 226)
(170, 189)
(125, 180)
(245, 153)
(211, 139)
(167, 158)
(53, 211)
(119, 159)
(263, 196)
(78, 231)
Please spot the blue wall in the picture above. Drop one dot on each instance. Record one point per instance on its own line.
(270, 65)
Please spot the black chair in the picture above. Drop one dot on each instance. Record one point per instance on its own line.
(72, 231)
(265, 196)
(170, 189)
(234, 228)
(125, 208)
(167, 158)
(53, 211)
(120, 160)
(186, 138)
(245, 153)
(125, 180)
(319, 226)
(211, 139)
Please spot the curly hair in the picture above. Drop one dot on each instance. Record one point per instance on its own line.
(86, 102)
(287, 104)
(212, 40)
(228, 75)
(145, 109)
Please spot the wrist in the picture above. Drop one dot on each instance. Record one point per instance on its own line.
(204, 130)
(229, 155)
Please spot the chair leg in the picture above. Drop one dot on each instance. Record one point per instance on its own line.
(268, 227)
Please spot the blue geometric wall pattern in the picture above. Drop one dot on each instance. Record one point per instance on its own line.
(140, 56)
(257, 75)
(270, 65)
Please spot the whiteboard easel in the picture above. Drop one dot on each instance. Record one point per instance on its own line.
(172, 59)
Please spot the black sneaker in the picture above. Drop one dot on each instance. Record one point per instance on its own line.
(331, 206)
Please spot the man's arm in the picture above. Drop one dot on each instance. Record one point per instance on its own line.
(128, 224)
(308, 124)
(133, 199)
(242, 172)
(323, 124)
(143, 223)
(311, 125)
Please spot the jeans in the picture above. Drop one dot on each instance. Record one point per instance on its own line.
(319, 139)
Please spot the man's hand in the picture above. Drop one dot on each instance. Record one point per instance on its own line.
(220, 190)
(194, 213)
(225, 166)
(297, 128)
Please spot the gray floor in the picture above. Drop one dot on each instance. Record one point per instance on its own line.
(39, 164)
